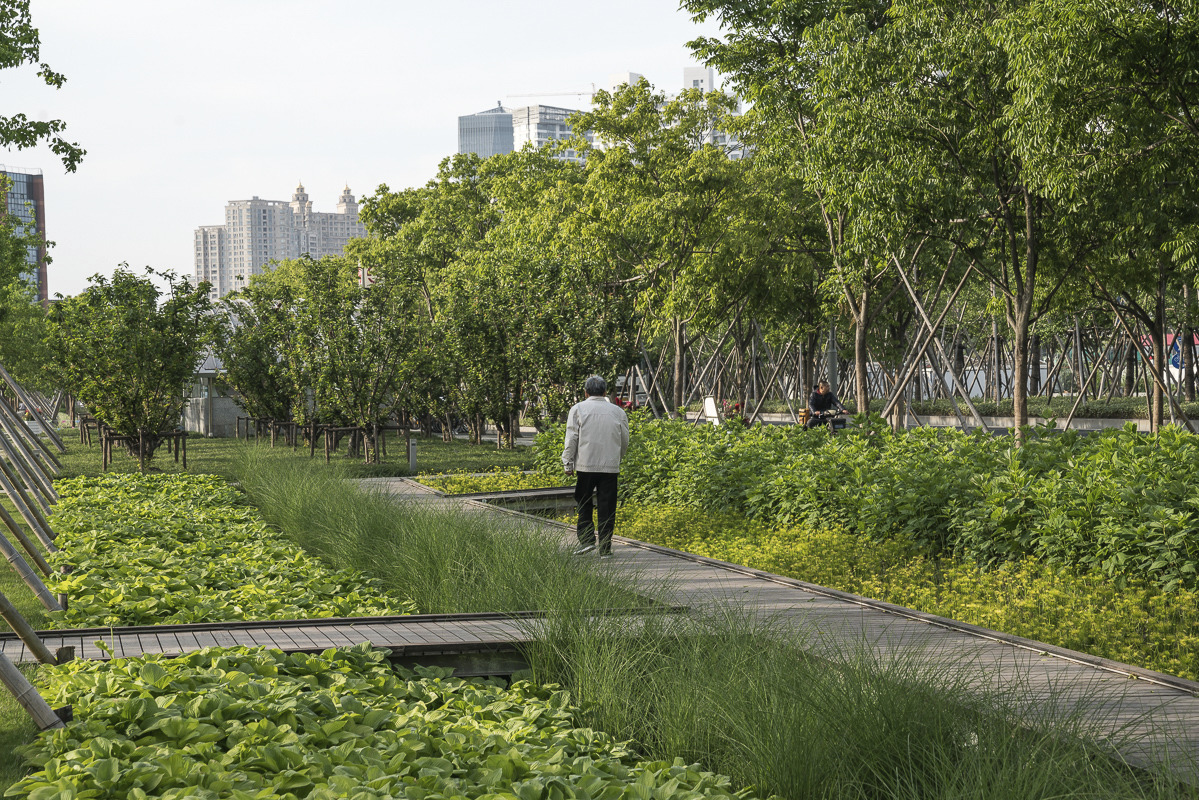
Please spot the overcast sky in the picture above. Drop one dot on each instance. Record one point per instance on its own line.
(185, 106)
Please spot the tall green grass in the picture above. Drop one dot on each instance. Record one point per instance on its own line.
(744, 697)
(445, 559)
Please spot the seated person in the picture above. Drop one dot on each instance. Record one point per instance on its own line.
(821, 403)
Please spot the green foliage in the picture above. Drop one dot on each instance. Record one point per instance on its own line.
(447, 561)
(252, 723)
(24, 351)
(517, 316)
(743, 696)
(128, 357)
(146, 550)
(497, 479)
(1116, 503)
(20, 44)
(255, 343)
(1130, 621)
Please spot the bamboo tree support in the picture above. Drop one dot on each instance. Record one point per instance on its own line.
(36, 522)
(1090, 377)
(15, 528)
(30, 439)
(773, 375)
(43, 716)
(914, 364)
(25, 631)
(16, 387)
(1146, 358)
(32, 470)
(22, 568)
(932, 335)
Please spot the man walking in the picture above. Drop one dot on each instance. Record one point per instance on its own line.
(597, 437)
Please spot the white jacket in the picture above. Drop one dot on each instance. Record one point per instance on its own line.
(597, 436)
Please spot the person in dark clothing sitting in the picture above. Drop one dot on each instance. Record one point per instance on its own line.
(821, 404)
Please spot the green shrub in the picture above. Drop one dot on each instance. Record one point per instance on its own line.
(1118, 503)
(1134, 623)
(498, 479)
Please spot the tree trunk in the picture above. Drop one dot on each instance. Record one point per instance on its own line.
(1130, 369)
(1186, 348)
(680, 343)
(1020, 339)
(862, 382)
(1034, 363)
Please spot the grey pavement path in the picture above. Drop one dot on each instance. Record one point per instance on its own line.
(1150, 719)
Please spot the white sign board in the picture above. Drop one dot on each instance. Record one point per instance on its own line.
(710, 409)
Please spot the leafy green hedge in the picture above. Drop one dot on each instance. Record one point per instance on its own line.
(1118, 503)
(1133, 623)
(257, 723)
(186, 548)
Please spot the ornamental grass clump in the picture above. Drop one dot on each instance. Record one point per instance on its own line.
(791, 716)
(154, 549)
(447, 559)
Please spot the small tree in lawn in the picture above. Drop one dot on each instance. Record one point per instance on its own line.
(129, 354)
(256, 345)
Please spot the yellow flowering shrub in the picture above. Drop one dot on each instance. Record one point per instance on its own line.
(1125, 621)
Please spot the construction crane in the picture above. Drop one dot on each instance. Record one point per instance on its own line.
(590, 94)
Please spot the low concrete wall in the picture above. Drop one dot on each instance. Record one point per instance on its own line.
(995, 423)
(214, 417)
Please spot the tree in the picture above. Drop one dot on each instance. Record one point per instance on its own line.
(663, 202)
(130, 355)
(1105, 116)
(23, 327)
(774, 55)
(20, 44)
(255, 341)
(352, 342)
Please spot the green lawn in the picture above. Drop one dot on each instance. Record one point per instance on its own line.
(216, 456)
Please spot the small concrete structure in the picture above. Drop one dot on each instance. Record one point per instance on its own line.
(211, 410)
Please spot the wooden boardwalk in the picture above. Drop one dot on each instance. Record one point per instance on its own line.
(405, 635)
(1150, 718)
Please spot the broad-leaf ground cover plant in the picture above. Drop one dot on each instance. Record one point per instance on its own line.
(343, 724)
(153, 549)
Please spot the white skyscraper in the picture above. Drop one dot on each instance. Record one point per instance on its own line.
(702, 78)
(542, 125)
(257, 232)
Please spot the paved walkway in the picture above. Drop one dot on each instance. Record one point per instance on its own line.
(1151, 718)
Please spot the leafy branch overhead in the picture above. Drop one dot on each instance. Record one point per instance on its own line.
(20, 44)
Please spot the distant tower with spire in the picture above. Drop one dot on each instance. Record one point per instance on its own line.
(258, 233)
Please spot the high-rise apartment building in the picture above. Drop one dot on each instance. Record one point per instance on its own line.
(24, 197)
(502, 130)
(488, 133)
(702, 78)
(542, 125)
(258, 232)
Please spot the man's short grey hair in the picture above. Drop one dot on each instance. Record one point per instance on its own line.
(595, 385)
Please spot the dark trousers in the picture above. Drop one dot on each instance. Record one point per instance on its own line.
(603, 485)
